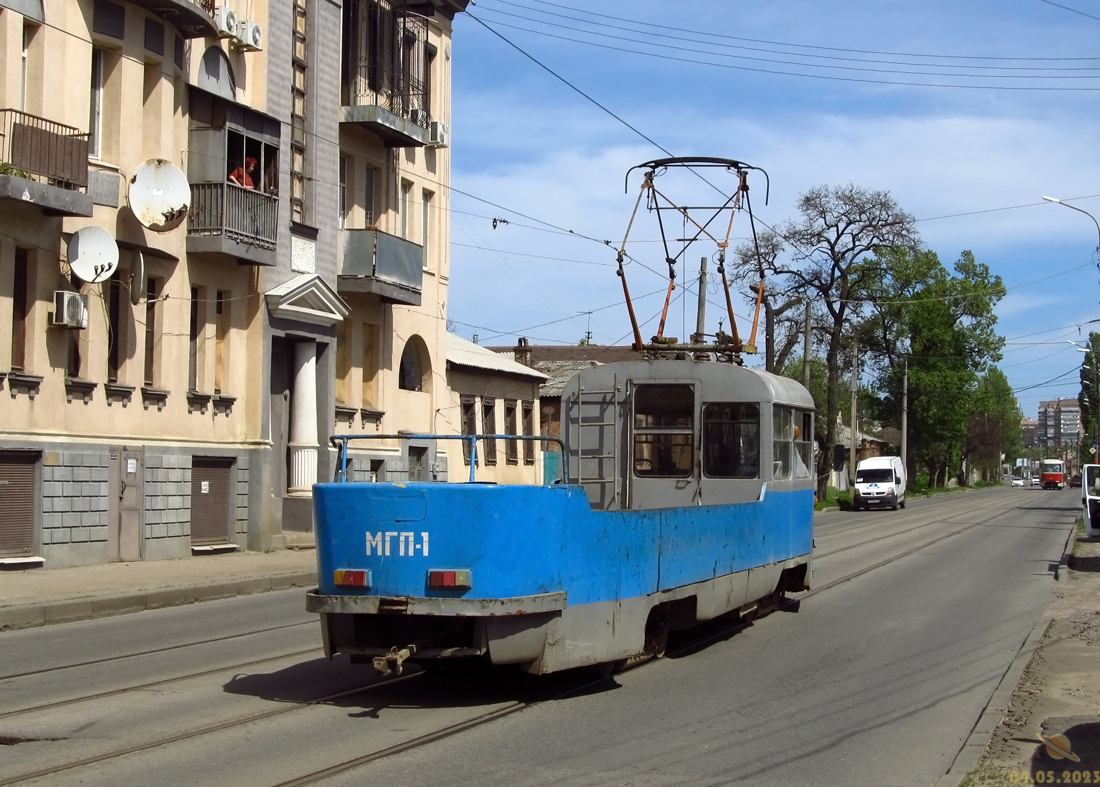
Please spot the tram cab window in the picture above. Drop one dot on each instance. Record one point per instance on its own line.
(731, 440)
(664, 430)
(792, 447)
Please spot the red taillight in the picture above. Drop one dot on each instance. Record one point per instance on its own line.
(351, 578)
(458, 579)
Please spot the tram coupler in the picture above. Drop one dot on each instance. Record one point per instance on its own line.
(396, 658)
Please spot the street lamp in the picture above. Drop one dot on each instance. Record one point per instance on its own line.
(1074, 207)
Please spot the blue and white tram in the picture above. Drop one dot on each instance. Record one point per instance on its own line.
(689, 494)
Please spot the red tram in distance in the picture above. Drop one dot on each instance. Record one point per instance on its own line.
(1052, 474)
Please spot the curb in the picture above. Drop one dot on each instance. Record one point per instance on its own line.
(33, 615)
(976, 743)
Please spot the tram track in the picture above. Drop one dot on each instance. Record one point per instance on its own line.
(155, 683)
(899, 533)
(154, 651)
(199, 731)
(584, 683)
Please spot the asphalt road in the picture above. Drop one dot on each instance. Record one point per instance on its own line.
(876, 680)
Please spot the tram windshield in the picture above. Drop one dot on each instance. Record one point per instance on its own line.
(664, 418)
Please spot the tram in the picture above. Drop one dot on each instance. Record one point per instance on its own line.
(1052, 474)
(686, 493)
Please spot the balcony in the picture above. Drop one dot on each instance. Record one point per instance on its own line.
(383, 86)
(228, 219)
(44, 163)
(372, 261)
(405, 130)
(193, 18)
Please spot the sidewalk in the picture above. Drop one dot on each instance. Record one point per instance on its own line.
(38, 597)
(1052, 688)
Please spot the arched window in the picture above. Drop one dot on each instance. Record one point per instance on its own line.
(410, 376)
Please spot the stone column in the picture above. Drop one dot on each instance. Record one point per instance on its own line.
(303, 420)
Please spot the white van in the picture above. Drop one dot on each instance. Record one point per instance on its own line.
(880, 481)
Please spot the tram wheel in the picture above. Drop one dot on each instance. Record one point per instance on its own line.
(656, 633)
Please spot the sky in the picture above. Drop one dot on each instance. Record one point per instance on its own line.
(967, 114)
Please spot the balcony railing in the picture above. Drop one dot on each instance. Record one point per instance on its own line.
(244, 215)
(374, 261)
(42, 150)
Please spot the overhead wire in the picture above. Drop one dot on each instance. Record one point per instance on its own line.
(776, 72)
(649, 36)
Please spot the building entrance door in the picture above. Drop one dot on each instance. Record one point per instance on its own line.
(126, 494)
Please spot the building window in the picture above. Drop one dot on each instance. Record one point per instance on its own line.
(468, 405)
(664, 430)
(20, 311)
(511, 452)
(426, 227)
(403, 208)
(410, 377)
(222, 306)
(370, 214)
(29, 31)
(150, 332)
(529, 431)
(731, 440)
(95, 122)
(343, 362)
(370, 364)
(115, 337)
(251, 163)
(343, 217)
(489, 424)
(195, 334)
(298, 114)
(429, 65)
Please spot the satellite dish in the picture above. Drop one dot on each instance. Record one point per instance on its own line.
(137, 278)
(159, 195)
(93, 254)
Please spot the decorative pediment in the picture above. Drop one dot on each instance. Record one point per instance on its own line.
(307, 298)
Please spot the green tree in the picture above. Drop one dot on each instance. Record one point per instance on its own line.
(1090, 394)
(942, 327)
(993, 428)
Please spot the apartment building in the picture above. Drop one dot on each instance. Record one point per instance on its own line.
(1059, 424)
(179, 399)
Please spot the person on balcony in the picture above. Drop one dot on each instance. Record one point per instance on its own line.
(242, 176)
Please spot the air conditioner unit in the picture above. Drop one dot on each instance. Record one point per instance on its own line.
(439, 135)
(419, 117)
(226, 20)
(70, 309)
(250, 36)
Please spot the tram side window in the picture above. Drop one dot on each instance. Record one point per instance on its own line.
(663, 430)
(803, 444)
(731, 440)
(792, 447)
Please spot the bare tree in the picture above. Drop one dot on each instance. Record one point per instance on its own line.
(780, 322)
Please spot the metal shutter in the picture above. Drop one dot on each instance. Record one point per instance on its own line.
(17, 503)
(211, 495)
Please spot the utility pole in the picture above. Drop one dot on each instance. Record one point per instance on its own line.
(905, 418)
(700, 317)
(855, 397)
(806, 350)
